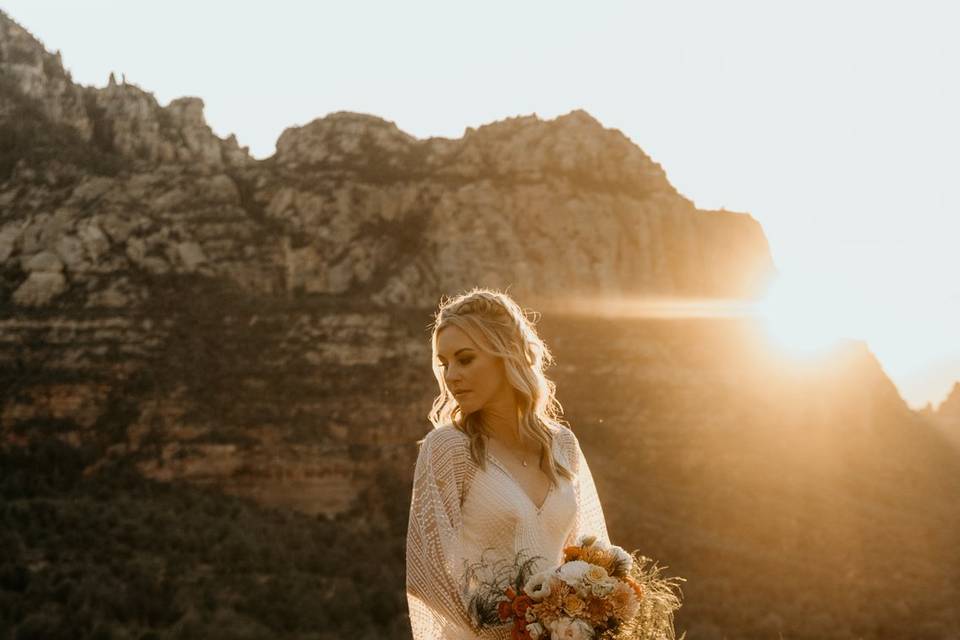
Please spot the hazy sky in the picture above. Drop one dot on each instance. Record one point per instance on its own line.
(832, 123)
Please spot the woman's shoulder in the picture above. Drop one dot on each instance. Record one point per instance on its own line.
(446, 451)
(445, 438)
(567, 444)
(562, 433)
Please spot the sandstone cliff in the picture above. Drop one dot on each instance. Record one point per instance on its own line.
(349, 205)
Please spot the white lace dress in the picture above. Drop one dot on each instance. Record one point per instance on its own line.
(459, 511)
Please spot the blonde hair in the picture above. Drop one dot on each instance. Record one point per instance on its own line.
(501, 328)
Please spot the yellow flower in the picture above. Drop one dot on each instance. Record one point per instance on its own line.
(573, 604)
(595, 574)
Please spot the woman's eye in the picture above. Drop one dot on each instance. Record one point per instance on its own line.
(463, 363)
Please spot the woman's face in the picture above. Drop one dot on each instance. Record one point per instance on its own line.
(474, 377)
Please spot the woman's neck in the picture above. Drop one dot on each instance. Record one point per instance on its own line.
(501, 418)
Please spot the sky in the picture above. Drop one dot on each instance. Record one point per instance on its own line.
(831, 123)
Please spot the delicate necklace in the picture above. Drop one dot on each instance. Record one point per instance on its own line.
(523, 460)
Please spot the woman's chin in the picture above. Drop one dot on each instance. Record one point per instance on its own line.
(466, 407)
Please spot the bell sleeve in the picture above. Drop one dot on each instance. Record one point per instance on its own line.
(435, 596)
(589, 516)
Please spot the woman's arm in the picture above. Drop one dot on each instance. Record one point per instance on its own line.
(590, 519)
(434, 593)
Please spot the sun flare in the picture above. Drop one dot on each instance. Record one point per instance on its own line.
(803, 319)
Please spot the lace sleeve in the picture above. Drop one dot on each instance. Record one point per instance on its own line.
(589, 519)
(434, 596)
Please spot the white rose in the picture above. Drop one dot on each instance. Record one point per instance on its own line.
(595, 573)
(535, 630)
(572, 572)
(571, 629)
(538, 585)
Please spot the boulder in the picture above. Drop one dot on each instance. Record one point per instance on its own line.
(40, 288)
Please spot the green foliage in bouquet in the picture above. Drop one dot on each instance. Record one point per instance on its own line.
(488, 580)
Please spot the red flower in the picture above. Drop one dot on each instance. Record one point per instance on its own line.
(521, 604)
(510, 593)
(504, 610)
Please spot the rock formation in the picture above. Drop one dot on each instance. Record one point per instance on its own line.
(349, 205)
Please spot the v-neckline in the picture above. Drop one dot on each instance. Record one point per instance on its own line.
(519, 486)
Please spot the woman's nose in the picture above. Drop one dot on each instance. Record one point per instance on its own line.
(451, 375)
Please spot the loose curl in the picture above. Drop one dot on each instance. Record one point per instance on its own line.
(498, 326)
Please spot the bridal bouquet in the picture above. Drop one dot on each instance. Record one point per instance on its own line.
(598, 592)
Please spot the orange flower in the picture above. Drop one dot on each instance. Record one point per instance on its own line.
(520, 605)
(572, 553)
(624, 602)
(511, 593)
(599, 557)
(504, 610)
(597, 609)
(637, 588)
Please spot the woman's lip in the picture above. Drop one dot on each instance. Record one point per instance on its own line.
(460, 393)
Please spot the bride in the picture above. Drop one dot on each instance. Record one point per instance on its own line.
(498, 473)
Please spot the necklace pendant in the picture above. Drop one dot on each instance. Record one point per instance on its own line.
(524, 462)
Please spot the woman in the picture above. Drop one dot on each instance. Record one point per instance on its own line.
(498, 474)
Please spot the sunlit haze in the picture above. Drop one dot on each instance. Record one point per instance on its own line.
(833, 124)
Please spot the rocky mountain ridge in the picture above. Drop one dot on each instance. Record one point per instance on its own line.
(349, 204)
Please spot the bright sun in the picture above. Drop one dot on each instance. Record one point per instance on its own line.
(910, 327)
(804, 318)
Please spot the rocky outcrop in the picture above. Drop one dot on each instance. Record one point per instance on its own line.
(32, 73)
(523, 203)
(135, 126)
(120, 118)
(516, 150)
